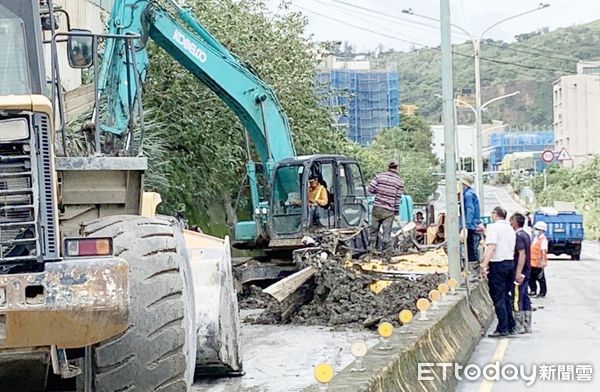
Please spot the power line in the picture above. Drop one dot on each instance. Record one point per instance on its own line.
(394, 18)
(505, 47)
(516, 64)
(354, 15)
(379, 13)
(526, 66)
(360, 27)
(425, 45)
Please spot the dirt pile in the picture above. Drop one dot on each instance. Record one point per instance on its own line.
(341, 297)
(253, 297)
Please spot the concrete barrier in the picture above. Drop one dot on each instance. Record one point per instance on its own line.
(450, 335)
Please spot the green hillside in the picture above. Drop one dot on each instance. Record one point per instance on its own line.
(540, 58)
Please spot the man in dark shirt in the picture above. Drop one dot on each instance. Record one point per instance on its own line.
(521, 302)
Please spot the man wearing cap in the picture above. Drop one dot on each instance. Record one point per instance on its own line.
(472, 218)
(387, 187)
(498, 259)
(539, 259)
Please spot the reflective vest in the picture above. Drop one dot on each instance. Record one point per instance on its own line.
(536, 250)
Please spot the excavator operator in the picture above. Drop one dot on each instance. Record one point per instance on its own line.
(318, 199)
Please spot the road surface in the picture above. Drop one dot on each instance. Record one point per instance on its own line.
(565, 343)
(494, 196)
(283, 357)
(565, 336)
(566, 322)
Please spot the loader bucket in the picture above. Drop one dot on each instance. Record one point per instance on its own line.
(217, 316)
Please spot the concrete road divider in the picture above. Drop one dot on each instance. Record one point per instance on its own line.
(449, 336)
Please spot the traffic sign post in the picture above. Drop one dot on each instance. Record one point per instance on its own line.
(563, 155)
(548, 156)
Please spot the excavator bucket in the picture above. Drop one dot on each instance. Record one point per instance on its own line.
(217, 318)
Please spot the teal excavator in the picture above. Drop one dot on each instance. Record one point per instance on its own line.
(281, 217)
(277, 221)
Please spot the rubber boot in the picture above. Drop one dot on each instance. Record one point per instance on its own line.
(519, 322)
(527, 321)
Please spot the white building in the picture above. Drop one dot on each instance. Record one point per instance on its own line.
(84, 14)
(466, 139)
(576, 101)
(89, 15)
(465, 142)
(332, 62)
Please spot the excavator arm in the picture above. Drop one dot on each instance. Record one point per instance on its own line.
(191, 45)
(280, 221)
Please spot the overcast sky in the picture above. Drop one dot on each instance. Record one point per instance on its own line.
(472, 15)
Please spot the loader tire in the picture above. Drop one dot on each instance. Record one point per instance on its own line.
(157, 352)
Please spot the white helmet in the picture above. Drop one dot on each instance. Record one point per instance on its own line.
(541, 225)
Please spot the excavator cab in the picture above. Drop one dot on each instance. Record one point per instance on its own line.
(288, 217)
(292, 216)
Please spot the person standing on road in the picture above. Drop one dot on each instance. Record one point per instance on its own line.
(521, 301)
(472, 218)
(387, 187)
(539, 259)
(499, 266)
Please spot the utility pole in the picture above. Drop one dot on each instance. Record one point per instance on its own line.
(476, 41)
(451, 229)
(478, 138)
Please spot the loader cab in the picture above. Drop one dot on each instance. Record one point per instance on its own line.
(292, 215)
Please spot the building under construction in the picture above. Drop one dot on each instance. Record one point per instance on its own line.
(365, 100)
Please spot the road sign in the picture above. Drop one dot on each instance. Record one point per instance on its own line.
(563, 155)
(547, 156)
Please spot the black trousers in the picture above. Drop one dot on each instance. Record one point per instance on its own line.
(537, 275)
(523, 301)
(500, 279)
(472, 245)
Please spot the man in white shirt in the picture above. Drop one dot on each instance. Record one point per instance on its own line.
(499, 266)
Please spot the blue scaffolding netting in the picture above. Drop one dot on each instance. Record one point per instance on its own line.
(367, 100)
(506, 143)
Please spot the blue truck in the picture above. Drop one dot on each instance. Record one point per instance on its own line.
(565, 231)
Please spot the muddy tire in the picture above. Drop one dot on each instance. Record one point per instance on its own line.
(157, 352)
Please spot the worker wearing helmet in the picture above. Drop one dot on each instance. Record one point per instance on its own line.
(539, 259)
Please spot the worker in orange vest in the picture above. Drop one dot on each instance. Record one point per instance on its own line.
(539, 259)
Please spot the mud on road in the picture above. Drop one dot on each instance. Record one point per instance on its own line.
(341, 297)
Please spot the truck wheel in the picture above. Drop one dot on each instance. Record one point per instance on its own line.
(576, 256)
(157, 352)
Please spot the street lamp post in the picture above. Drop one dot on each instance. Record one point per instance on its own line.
(475, 113)
(478, 107)
(458, 100)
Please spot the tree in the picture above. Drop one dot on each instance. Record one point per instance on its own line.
(205, 140)
(530, 66)
(347, 49)
(410, 145)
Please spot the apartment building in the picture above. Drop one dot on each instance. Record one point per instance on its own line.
(576, 100)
